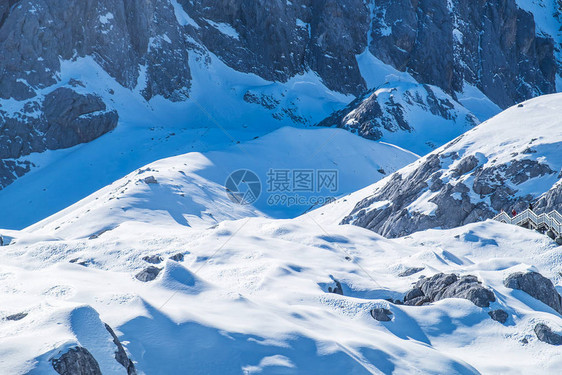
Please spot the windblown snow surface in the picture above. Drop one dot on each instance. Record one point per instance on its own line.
(251, 297)
(251, 293)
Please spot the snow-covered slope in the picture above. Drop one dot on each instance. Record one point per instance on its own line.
(504, 163)
(214, 118)
(250, 296)
(189, 190)
(193, 282)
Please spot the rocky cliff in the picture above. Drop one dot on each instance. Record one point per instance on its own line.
(492, 45)
(499, 165)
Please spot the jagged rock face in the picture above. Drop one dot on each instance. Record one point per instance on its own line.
(116, 33)
(490, 44)
(537, 286)
(449, 204)
(551, 200)
(121, 36)
(499, 165)
(440, 43)
(76, 361)
(279, 39)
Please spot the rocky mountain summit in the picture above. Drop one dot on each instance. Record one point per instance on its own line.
(506, 53)
(499, 165)
(393, 113)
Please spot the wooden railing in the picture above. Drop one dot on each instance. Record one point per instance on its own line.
(549, 221)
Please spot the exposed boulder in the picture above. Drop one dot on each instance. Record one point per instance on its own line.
(410, 271)
(177, 257)
(150, 180)
(544, 333)
(413, 293)
(499, 315)
(17, 316)
(381, 314)
(441, 286)
(153, 259)
(148, 274)
(337, 289)
(537, 286)
(417, 301)
(76, 361)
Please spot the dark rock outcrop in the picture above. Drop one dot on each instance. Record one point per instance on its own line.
(153, 259)
(148, 274)
(72, 118)
(413, 294)
(337, 289)
(410, 271)
(150, 180)
(387, 110)
(120, 354)
(441, 286)
(177, 257)
(277, 40)
(537, 286)
(544, 333)
(451, 186)
(551, 200)
(76, 361)
(499, 315)
(381, 314)
(66, 119)
(17, 316)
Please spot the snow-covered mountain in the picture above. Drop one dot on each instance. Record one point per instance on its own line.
(161, 273)
(505, 163)
(253, 296)
(178, 179)
(417, 117)
(73, 73)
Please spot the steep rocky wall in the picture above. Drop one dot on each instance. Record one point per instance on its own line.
(278, 39)
(490, 44)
